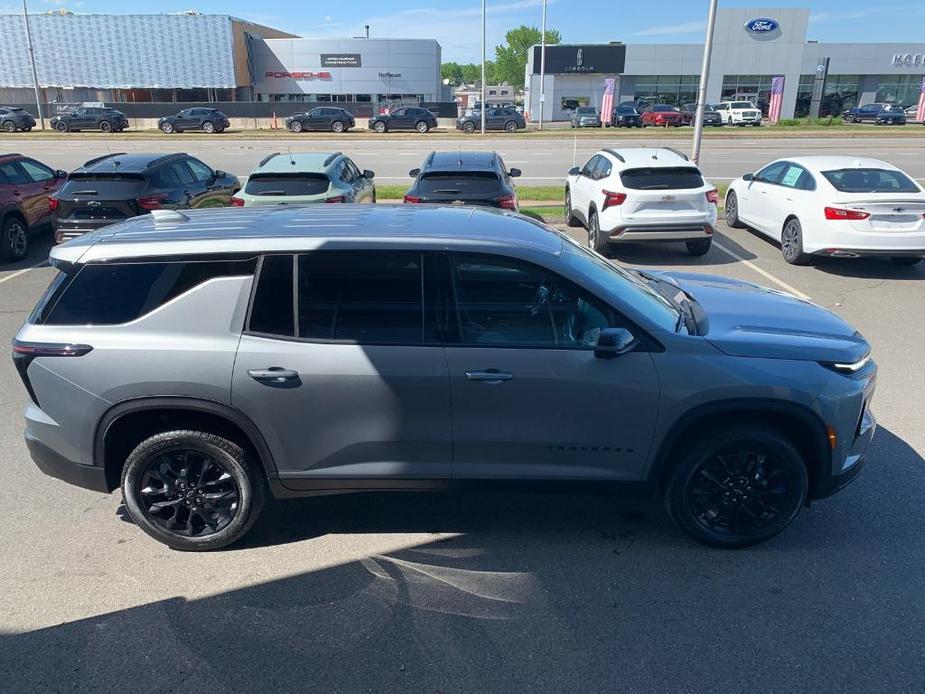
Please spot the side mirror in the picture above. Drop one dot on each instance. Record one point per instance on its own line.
(613, 342)
(218, 173)
(748, 177)
(60, 173)
(368, 174)
(574, 171)
(514, 173)
(414, 173)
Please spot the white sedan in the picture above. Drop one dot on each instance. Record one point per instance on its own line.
(832, 206)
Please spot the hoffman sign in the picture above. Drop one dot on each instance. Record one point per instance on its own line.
(908, 59)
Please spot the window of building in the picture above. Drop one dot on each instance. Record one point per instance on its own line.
(753, 88)
(841, 93)
(675, 90)
(364, 97)
(899, 89)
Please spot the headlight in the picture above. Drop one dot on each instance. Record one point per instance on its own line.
(845, 368)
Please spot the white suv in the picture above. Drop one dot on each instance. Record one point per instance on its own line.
(641, 194)
(739, 113)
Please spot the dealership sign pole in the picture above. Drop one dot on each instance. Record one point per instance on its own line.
(484, 105)
(543, 66)
(35, 75)
(702, 90)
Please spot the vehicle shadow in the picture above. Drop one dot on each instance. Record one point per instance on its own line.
(548, 593)
(870, 268)
(40, 243)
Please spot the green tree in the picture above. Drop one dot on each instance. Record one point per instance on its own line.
(472, 73)
(452, 72)
(511, 59)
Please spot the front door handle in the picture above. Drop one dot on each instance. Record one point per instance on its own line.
(275, 374)
(489, 376)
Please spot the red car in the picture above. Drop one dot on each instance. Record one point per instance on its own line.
(661, 114)
(25, 185)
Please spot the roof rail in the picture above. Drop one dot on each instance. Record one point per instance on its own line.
(331, 158)
(267, 158)
(168, 216)
(97, 160)
(678, 152)
(614, 153)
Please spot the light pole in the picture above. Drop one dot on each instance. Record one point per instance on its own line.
(543, 66)
(35, 75)
(483, 68)
(702, 89)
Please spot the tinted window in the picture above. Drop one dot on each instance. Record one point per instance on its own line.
(871, 181)
(591, 165)
(586, 111)
(37, 172)
(366, 297)
(107, 185)
(104, 294)
(661, 178)
(272, 312)
(13, 174)
(772, 172)
(164, 177)
(182, 173)
(399, 112)
(287, 184)
(626, 111)
(461, 183)
(742, 104)
(501, 301)
(352, 170)
(200, 171)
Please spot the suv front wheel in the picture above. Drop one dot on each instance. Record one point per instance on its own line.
(192, 490)
(737, 487)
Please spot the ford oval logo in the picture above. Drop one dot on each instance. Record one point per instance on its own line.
(762, 25)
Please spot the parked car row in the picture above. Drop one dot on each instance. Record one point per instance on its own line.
(879, 114)
(629, 115)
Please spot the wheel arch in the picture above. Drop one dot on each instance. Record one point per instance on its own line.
(803, 427)
(128, 423)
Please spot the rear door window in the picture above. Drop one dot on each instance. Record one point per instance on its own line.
(37, 172)
(14, 174)
(287, 184)
(183, 174)
(662, 178)
(116, 293)
(202, 172)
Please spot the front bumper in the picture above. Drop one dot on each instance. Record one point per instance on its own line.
(56, 465)
(855, 461)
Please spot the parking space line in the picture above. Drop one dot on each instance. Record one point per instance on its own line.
(764, 273)
(16, 274)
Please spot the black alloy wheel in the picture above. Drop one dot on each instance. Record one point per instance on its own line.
(105, 126)
(738, 487)
(61, 126)
(510, 126)
(468, 127)
(15, 241)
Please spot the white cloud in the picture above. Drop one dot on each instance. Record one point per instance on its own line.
(668, 29)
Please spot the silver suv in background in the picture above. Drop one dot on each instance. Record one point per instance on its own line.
(201, 360)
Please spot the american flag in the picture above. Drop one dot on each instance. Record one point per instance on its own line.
(607, 101)
(920, 113)
(777, 98)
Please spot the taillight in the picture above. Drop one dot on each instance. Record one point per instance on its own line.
(414, 199)
(713, 196)
(52, 203)
(336, 198)
(151, 202)
(508, 202)
(25, 352)
(237, 202)
(840, 213)
(612, 199)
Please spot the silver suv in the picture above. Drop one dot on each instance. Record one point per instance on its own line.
(202, 360)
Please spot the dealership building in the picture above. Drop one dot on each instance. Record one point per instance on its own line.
(751, 47)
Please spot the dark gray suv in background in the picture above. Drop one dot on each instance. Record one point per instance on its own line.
(202, 360)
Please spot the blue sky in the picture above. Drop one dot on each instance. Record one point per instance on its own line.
(456, 23)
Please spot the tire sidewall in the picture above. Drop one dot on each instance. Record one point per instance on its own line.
(380, 127)
(337, 127)
(7, 250)
(469, 128)
(9, 126)
(421, 127)
(732, 219)
(296, 126)
(167, 128)
(703, 450)
(208, 127)
(250, 489)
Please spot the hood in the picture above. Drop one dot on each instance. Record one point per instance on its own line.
(748, 320)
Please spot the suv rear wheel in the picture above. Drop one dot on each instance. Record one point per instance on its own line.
(337, 126)
(105, 126)
(699, 246)
(510, 126)
(570, 218)
(9, 126)
(14, 243)
(192, 490)
(421, 127)
(737, 487)
(594, 235)
(208, 127)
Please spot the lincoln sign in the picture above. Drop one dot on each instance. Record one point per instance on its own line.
(560, 60)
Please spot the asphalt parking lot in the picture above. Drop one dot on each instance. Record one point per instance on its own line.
(484, 592)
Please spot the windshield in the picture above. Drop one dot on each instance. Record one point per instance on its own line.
(630, 289)
(626, 111)
(287, 184)
(743, 104)
(870, 181)
(586, 111)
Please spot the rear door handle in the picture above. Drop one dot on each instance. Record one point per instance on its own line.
(489, 376)
(275, 374)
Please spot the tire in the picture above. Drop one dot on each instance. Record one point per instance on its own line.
(421, 127)
(904, 260)
(697, 247)
(570, 219)
(161, 473)
(468, 127)
(737, 487)
(9, 126)
(105, 126)
(208, 127)
(791, 243)
(337, 127)
(61, 126)
(380, 127)
(167, 128)
(14, 239)
(850, 119)
(28, 129)
(732, 211)
(296, 126)
(510, 126)
(595, 242)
